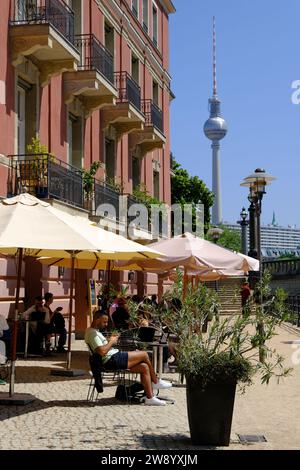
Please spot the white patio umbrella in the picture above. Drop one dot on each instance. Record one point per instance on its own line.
(29, 226)
(194, 254)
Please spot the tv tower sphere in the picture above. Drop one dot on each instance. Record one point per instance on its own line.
(215, 127)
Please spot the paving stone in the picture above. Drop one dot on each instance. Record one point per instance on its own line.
(61, 418)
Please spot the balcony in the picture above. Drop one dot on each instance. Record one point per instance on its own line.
(126, 116)
(152, 136)
(93, 83)
(45, 176)
(45, 34)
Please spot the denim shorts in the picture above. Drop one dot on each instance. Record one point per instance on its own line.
(118, 361)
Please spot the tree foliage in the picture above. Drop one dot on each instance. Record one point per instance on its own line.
(186, 189)
(230, 239)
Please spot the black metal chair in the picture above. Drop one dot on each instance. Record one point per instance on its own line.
(96, 383)
(98, 370)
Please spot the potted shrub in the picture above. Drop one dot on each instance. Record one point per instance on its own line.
(39, 166)
(88, 179)
(227, 355)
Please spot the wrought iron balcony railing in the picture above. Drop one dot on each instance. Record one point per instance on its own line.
(55, 12)
(153, 115)
(129, 90)
(45, 177)
(106, 200)
(94, 56)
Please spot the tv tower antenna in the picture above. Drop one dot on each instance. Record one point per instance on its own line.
(215, 130)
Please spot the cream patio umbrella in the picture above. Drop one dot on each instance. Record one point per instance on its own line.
(192, 253)
(200, 257)
(29, 226)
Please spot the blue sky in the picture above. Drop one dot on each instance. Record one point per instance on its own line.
(258, 54)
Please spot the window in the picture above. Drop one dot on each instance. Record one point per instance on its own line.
(155, 24)
(134, 8)
(110, 159)
(155, 96)
(109, 38)
(76, 6)
(136, 172)
(156, 184)
(145, 15)
(135, 68)
(75, 140)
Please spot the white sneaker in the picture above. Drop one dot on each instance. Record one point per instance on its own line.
(154, 401)
(161, 384)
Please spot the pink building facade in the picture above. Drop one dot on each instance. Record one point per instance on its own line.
(89, 79)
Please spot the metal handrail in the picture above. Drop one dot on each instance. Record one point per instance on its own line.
(55, 12)
(153, 114)
(129, 90)
(94, 56)
(45, 177)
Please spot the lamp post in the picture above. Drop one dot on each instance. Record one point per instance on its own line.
(243, 222)
(257, 182)
(215, 233)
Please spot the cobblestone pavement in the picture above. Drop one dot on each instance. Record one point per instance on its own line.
(61, 417)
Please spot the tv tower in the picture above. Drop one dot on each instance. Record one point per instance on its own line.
(215, 130)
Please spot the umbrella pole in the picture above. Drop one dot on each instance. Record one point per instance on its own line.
(68, 372)
(15, 326)
(70, 310)
(12, 398)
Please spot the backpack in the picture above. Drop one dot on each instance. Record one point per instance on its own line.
(133, 391)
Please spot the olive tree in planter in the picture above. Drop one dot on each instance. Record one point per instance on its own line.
(88, 181)
(39, 163)
(216, 361)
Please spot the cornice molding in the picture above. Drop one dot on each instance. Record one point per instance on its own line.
(168, 6)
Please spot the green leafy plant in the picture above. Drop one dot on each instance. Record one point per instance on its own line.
(230, 349)
(117, 186)
(88, 178)
(36, 147)
(141, 193)
(41, 157)
(187, 189)
(230, 239)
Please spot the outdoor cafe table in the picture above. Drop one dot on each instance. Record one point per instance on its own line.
(158, 353)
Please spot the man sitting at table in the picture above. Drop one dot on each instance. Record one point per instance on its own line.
(113, 359)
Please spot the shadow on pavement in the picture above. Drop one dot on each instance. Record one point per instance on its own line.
(170, 442)
(7, 412)
(38, 374)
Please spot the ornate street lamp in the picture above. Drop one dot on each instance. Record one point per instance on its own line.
(243, 222)
(215, 233)
(256, 182)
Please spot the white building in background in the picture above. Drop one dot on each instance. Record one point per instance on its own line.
(276, 240)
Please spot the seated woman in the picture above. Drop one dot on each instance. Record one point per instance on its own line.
(113, 359)
(120, 316)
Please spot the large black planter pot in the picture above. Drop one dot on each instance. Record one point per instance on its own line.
(210, 412)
